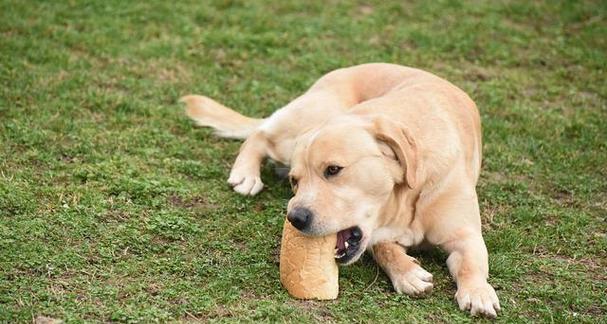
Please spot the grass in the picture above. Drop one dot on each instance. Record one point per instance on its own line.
(113, 207)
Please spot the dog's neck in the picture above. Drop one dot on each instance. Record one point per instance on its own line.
(399, 209)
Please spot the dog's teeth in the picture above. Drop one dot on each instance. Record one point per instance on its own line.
(336, 250)
(340, 256)
(346, 244)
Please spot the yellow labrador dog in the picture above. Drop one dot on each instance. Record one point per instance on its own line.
(387, 157)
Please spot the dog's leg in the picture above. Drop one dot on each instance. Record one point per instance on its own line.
(454, 224)
(406, 274)
(468, 264)
(245, 174)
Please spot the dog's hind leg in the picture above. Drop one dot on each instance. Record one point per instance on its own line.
(245, 176)
(406, 274)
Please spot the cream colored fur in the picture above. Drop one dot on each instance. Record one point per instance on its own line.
(409, 143)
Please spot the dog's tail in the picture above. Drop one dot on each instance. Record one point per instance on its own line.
(226, 122)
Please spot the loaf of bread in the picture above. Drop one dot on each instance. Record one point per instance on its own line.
(307, 265)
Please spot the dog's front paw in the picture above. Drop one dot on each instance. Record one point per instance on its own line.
(479, 300)
(414, 282)
(245, 184)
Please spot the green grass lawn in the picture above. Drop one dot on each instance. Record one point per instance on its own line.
(114, 207)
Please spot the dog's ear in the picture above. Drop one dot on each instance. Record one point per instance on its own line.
(396, 142)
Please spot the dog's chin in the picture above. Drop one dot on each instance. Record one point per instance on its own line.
(351, 244)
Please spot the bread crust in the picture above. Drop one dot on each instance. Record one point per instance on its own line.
(307, 265)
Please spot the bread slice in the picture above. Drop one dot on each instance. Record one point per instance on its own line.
(307, 265)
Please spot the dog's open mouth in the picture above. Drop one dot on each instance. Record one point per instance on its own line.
(348, 244)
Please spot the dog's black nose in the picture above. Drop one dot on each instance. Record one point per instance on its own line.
(300, 217)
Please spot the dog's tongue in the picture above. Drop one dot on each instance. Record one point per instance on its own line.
(342, 237)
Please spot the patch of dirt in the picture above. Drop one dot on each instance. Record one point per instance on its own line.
(595, 310)
(467, 71)
(221, 311)
(275, 257)
(259, 207)
(118, 215)
(53, 79)
(595, 267)
(365, 10)
(315, 308)
(196, 202)
(154, 288)
(169, 72)
(46, 320)
(489, 212)
(478, 73)
(65, 158)
(565, 198)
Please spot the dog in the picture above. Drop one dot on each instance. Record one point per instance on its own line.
(387, 157)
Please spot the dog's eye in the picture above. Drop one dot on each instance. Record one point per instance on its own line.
(293, 182)
(332, 170)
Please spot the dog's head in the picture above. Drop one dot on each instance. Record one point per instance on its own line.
(343, 173)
